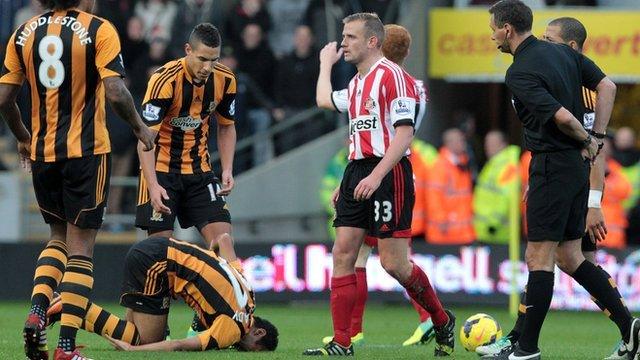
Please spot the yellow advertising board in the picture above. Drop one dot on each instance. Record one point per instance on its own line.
(460, 46)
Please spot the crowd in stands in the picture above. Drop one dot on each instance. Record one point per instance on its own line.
(272, 46)
(455, 205)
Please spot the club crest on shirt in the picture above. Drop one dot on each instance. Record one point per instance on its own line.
(156, 216)
(369, 104)
(212, 106)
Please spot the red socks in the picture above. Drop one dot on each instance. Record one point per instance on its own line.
(362, 293)
(420, 290)
(343, 299)
(424, 315)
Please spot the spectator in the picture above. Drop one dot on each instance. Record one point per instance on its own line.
(616, 190)
(256, 61)
(244, 13)
(143, 66)
(286, 16)
(466, 122)
(326, 24)
(628, 155)
(387, 10)
(293, 93)
(118, 12)
(158, 17)
(190, 13)
(27, 12)
(134, 45)
(623, 4)
(464, 3)
(449, 194)
(495, 190)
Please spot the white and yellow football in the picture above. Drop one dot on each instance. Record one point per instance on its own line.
(479, 330)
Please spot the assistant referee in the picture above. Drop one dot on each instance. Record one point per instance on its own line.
(546, 80)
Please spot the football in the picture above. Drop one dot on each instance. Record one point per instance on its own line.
(479, 330)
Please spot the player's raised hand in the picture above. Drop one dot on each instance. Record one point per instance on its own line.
(227, 183)
(156, 194)
(330, 54)
(146, 137)
(366, 187)
(596, 226)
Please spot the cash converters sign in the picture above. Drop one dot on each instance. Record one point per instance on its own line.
(460, 46)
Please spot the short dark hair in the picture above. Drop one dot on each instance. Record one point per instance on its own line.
(270, 340)
(59, 4)
(513, 12)
(571, 29)
(207, 34)
(372, 24)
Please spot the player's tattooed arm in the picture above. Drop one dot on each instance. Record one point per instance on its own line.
(10, 112)
(120, 99)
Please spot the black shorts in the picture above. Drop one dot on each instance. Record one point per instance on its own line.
(73, 190)
(557, 198)
(388, 213)
(145, 286)
(587, 244)
(192, 198)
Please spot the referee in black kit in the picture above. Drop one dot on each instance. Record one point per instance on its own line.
(546, 81)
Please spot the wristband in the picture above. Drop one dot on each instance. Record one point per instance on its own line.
(594, 199)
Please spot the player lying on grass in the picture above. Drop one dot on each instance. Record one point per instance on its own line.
(160, 268)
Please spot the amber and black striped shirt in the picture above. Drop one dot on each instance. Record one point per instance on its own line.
(215, 289)
(180, 111)
(64, 55)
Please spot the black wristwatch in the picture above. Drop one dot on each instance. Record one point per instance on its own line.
(586, 142)
(597, 135)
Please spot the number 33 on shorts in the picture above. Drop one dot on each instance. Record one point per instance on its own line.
(386, 210)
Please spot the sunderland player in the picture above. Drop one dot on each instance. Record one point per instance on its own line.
(571, 32)
(395, 47)
(71, 60)
(376, 194)
(158, 269)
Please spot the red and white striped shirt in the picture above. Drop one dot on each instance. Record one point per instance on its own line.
(377, 102)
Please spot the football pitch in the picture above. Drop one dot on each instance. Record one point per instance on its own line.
(566, 335)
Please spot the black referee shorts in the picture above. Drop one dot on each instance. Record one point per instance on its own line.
(557, 198)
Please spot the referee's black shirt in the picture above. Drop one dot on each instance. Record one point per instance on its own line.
(543, 78)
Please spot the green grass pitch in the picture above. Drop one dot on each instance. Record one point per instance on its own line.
(566, 335)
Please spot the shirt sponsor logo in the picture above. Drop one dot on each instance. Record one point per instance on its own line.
(363, 123)
(151, 112)
(186, 123)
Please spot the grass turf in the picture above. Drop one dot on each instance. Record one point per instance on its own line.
(566, 335)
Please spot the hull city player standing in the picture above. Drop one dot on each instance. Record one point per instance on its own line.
(72, 62)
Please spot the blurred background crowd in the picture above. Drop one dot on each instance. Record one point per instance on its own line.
(272, 46)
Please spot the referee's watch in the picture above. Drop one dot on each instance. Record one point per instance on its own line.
(586, 142)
